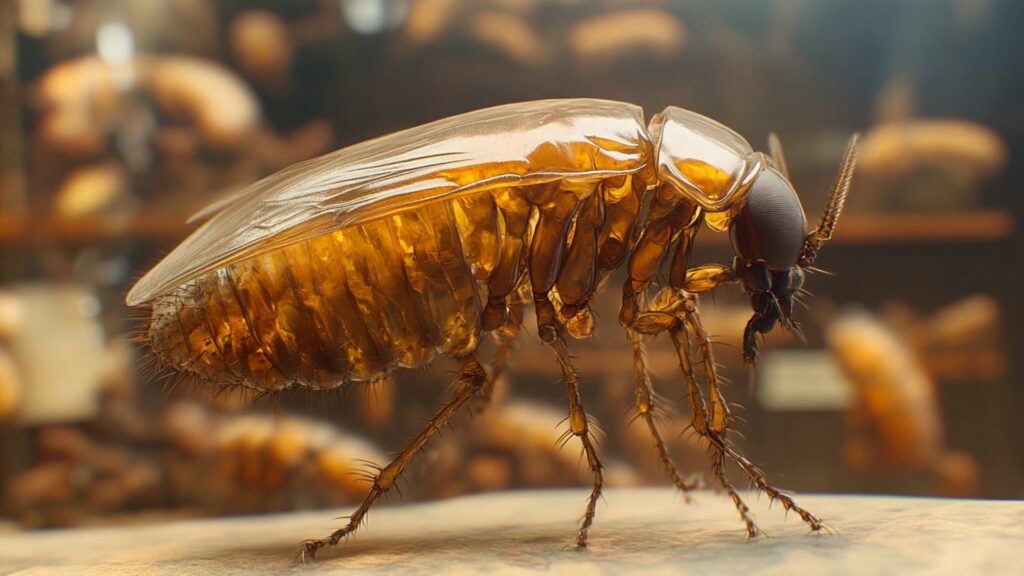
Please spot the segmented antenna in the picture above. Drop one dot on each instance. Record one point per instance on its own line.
(834, 207)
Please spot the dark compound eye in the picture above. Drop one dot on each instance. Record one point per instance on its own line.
(771, 226)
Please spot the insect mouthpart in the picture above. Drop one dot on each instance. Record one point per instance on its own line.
(771, 296)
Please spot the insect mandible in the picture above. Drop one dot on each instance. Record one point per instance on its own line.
(384, 254)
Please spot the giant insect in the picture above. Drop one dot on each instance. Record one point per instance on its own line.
(383, 254)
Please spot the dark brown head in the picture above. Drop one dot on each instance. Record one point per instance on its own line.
(772, 245)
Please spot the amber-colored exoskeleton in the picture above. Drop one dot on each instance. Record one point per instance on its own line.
(382, 255)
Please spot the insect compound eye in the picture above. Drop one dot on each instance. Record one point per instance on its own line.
(771, 225)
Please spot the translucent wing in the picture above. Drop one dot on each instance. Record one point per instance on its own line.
(509, 145)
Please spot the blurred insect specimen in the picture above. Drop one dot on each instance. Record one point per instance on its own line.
(928, 164)
(516, 444)
(961, 341)
(187, 458)
(108, 129)
(11, 320)
(381, 255)
(10, 385)
(620, 34)
(83, 99)
(895, 421)
(262, 463)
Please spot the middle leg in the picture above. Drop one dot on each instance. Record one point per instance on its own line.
(647, 409)
(710, 422)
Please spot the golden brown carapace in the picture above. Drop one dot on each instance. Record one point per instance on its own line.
(384, 254)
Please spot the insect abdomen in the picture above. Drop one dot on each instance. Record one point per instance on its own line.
(353, 304)
(343, 306)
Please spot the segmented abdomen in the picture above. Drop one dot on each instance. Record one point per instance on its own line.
(392, 292)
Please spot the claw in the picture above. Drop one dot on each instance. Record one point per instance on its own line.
(309, 547)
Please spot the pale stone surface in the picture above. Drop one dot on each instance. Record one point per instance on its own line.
(638, 531)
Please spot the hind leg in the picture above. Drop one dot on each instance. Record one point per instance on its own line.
(507, 339)
(579, 425)
(470, 381)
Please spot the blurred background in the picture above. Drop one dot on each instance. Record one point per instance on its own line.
(120, 119)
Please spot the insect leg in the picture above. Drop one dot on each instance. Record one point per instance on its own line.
(708, 424)
(644, 263)
(507, 338)
(578, 276)
(705, 278)
(670, 223)
(756, 476)
(678, 270)
(579, 425)
(621, 197)
(471, 379)
(657, 322)
(719, 409)
(514, 213)
(719, 427)
(547, 254)
(718, 467)
(713, 424)
(647, 409)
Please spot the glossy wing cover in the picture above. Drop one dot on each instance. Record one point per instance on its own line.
(707, 162)
(511, 145)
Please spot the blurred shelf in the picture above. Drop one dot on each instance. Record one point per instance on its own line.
(978, 226)
(981, 226)
(15, 230)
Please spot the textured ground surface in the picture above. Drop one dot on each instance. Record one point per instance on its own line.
(638, 531)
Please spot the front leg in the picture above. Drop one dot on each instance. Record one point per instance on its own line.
(678, 315)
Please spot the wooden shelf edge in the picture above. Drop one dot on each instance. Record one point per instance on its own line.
(981, 226)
